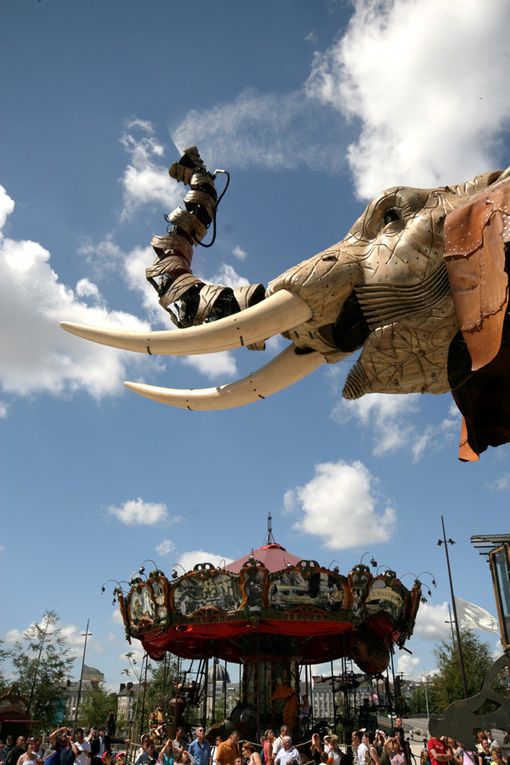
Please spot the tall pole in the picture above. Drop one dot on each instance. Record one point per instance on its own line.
(446, 542)
(450, 622)
(143, 693)
(36, 669)
(85, 635)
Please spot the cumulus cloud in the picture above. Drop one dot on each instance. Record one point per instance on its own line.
(275, 131)
(388, 418)
(239, 253)
(37, 356)
(145, 179)
(165, 547)
(4, 410)
(70, 633)
(432, 622)
(137, 512)
(189, 559)
(87, 289)
(341, 496)
(408, 666)
(428, 82)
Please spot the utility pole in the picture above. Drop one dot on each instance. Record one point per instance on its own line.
(85, 634)
(36, 669)
(444, 541)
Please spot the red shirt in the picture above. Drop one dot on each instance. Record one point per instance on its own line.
(435, 743)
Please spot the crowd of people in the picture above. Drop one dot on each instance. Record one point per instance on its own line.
(68, 747)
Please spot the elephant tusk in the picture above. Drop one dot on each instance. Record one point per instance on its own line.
(284, 370)
(275, 314)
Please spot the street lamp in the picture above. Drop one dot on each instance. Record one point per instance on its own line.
(444, 541)
(85, 634)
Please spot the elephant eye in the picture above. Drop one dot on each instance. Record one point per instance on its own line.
(391, 215)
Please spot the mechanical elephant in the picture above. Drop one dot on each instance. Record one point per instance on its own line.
(418, 286)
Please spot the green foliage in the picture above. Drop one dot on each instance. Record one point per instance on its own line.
(161, 679)
(447, 687)
(42, 665)
(95, 707)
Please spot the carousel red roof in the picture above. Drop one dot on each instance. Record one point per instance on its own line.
(273, 556)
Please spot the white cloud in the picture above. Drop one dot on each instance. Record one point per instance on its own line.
(432, 622)
(188, 559)
(227, 275)
(6, 206)
(116, 616)
(239, 253)
(214, 365)
(145, 181)
(87, 289)
(165, 547)
(137, 512)
(339, 506)
(275, 131)
(37, 356)
(385, 416)
(388, 420)
(408, 666)
(500, 484)
(428, 80)
(4, 410)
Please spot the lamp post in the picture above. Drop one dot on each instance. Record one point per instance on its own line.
(85, 634)
(444, 541)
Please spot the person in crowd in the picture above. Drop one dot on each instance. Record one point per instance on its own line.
(111, 725)
(120, 758)
(200, 748)
(359, 748)
(485, 754)
(149, 756)
(497, 757)
(251, 755)
(373, 757)
(333, 750)
(166, 756)
(16, 751)
(30, 757)
(179, 743)
(4, 751)
(438, 751)
(288, 754)
(228, 750)
(144, 742)
(185, 758)
(104, 741)
(38, 747)
(81, 748)
(316, 748)
(217, 741)
(277, 743)
(106, 758)
(267, 749)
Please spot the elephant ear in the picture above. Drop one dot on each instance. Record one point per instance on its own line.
(475, 236)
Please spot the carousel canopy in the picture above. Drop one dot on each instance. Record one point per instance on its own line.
(271, 604)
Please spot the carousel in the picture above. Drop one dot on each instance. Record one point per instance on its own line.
(274, 614)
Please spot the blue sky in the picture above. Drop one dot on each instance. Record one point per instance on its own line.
(314, 107)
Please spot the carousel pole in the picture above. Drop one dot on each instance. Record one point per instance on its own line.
(213, 710)
(225, 690)
(206, 693)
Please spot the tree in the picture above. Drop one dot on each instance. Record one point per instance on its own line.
(96, 706)
(446, 686)
(42, 665)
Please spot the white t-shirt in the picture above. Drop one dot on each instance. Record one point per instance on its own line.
(285, 756)
(82, 758)
(361, 754)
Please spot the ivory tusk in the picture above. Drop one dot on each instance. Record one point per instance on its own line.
(277, 313)
(284, 370)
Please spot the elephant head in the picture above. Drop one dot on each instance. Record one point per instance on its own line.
(418, 284)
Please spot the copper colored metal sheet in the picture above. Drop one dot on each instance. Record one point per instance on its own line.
(475, 237)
